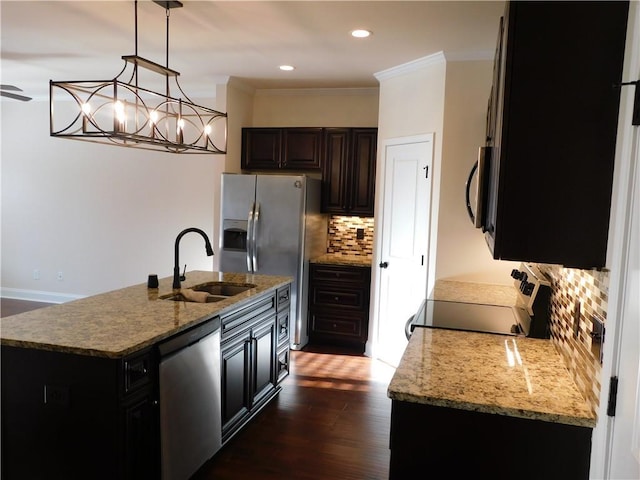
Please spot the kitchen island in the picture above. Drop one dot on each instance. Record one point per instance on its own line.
(486, 406)
(80, 393)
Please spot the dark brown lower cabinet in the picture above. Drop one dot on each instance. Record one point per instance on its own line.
(67, 416)
(461, 444)
(250, 359)
(339, 305)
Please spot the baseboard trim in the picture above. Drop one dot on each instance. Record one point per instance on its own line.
(38, 296)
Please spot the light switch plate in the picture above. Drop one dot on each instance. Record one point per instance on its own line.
(597, 336)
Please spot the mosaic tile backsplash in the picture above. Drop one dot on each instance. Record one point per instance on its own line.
(577, 297)
(343, 236)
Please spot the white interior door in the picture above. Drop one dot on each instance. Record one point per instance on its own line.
(625, 447)
(616, 453)
(403, 255)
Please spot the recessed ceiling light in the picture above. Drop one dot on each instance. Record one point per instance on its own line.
(287, 68)
(360, 33)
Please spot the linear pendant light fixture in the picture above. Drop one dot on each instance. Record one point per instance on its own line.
(121, 112)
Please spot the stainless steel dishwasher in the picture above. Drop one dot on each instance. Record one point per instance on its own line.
(190, 417)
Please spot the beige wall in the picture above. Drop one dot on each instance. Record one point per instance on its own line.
(462, 252)
(449, 99)
(339, 107)
(412, 103)
(105, 216)
(239, 101)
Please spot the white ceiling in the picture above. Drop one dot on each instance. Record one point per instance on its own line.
(210, 40)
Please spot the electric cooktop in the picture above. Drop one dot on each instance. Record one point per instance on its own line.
(529, 318)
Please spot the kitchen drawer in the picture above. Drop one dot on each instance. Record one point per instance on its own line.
(283, 363)
(282, 326)
(342, 274)
(284, 296)
(330, 296)
(246, 316)
(137, 372)
(329, 323)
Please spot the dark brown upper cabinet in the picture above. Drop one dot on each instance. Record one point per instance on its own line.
(281, 148)
(349, 171)
(551, 131)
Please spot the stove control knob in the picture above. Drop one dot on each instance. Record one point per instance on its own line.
(517, 274)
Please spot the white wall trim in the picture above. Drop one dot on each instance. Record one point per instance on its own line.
(277, 92)
(410, 67)
(38, 296)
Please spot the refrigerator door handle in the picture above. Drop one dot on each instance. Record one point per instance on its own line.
(254, 233)
(249, 238)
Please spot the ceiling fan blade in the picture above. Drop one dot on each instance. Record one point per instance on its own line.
(15, 96)
(10, 87)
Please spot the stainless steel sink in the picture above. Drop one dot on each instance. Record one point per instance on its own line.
(217, 291)
(222, 288)
(178, 297)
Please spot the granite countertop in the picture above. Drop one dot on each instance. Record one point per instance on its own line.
(339, 259)
(496, 374)
(117, 323)
(457, 291)
(515, 376)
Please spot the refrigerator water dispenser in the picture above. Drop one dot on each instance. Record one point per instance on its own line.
(234, 235)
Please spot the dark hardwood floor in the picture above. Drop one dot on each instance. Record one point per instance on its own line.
(11, 306)
(330, 421)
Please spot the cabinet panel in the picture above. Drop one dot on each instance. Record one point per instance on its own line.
(264, 368)
(261, 148)
(348, 172)
(330, 322)
(328, 273)
(363, 171)
(297, 148)
(283, 328)
(334, 170)
(484, 441)
(549, 194)
(283, 363)
(302, 148)
(141, 439)
(335, 296)
(236, 356)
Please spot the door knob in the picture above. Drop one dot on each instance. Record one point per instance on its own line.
(384, 264)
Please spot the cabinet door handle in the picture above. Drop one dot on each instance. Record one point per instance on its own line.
(384, 264)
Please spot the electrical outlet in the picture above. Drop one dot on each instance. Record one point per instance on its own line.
(36, 274)
(597, 336)
(360, 233)
(576, 318)
(60, 276)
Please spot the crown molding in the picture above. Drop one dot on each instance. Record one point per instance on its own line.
(275, 92)
(410, 67)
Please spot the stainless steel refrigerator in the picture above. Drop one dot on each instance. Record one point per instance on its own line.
(272, 225)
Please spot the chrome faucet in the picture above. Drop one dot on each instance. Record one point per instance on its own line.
(177, 278)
